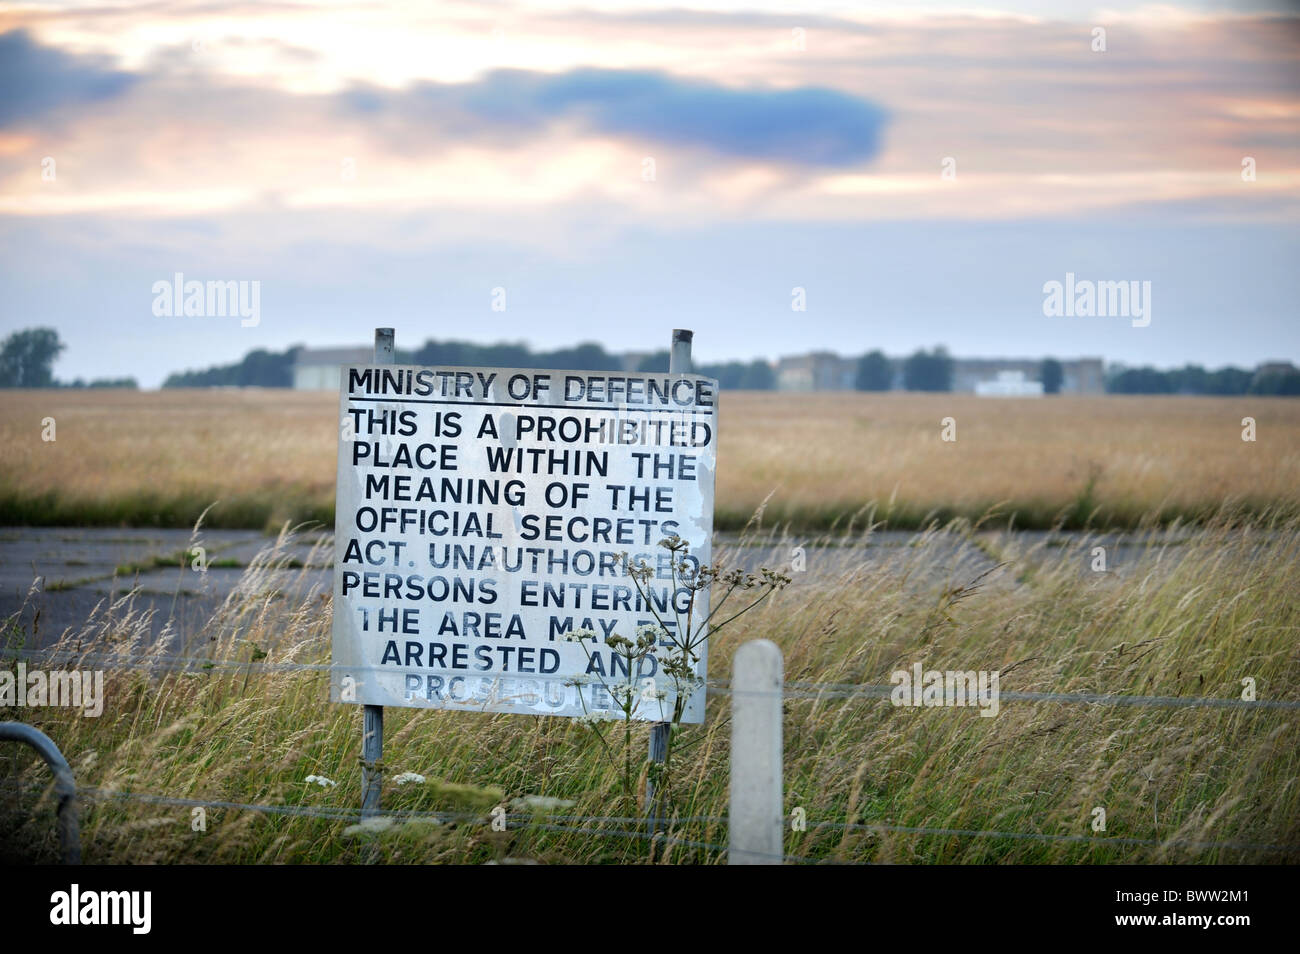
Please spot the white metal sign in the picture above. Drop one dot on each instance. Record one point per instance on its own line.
(484, 516)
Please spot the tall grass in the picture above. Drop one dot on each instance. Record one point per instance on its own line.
(1192, 616)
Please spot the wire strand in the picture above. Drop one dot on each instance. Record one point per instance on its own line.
(792, 690)
(549, 821)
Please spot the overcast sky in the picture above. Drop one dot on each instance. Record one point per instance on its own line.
(621, 170)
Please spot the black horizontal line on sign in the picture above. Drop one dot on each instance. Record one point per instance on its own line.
(543, 407)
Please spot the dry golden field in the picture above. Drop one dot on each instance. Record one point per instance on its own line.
(160, 458)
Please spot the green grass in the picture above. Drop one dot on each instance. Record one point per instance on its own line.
(268, 512)
(257, 511)
(1194, 621)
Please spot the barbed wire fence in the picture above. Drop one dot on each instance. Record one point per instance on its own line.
(632, 827)
(160, 663)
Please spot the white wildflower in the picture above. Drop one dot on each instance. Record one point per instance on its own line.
(540, 803)
(407, 778)
(320, 780)
(374, 824)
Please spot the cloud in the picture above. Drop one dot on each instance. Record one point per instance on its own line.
(808, 126)
(434, 113)
(36, 80)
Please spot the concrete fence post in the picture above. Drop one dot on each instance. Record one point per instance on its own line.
(756, 817)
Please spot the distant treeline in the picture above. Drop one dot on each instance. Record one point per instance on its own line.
(1194, 379)
(921, 371)
(583, 357)
(271, 369)
(732, 375)
(27, 361)
(933, 371)
(260, 368)
(129, 383)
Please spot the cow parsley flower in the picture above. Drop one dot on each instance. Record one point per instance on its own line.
(540, 803)
(371, 825)
(622, 693)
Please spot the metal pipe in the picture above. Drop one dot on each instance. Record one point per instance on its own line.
(64, 784)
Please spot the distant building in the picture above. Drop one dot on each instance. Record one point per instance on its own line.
(819, 371)
(317, 369)
(1079, 376)
(826, 371)
(1283, 373)
(631, 360)
(1083, 376)
(1275, 367)
(1009, 384)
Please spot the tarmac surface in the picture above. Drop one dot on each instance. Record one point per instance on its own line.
(56, 579)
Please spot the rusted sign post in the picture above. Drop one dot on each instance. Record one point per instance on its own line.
(679, 363)
(372, 727)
